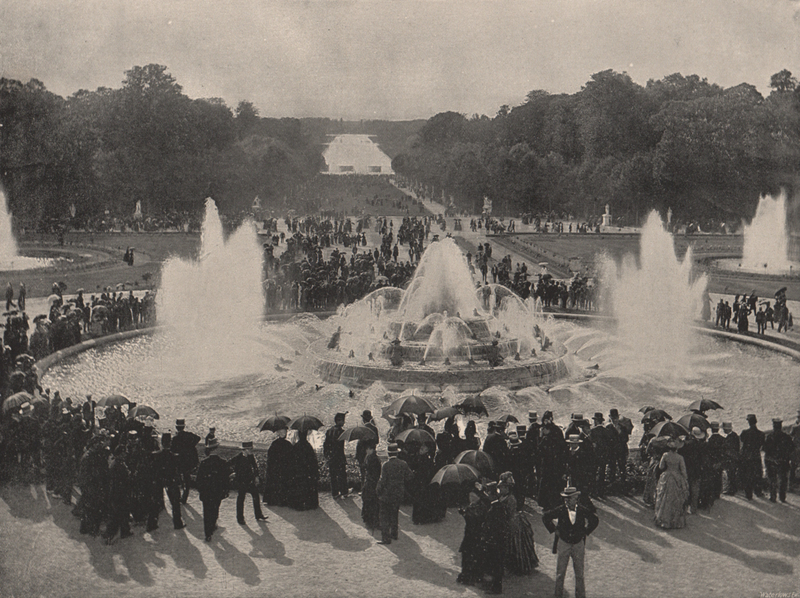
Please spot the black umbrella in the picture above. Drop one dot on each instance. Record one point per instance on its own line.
(668, 428)
(416, 436)
(273, 423)
(444, 413)
(508, 418)
(656, 415)
(16, 400)
(456, 473)
(646, 408)
(142, 411)
(481, 461)
(411, 404)
(358, 433)
(473, 405)
(694, 420)
(304, 423)
(704, 405)
(113, 401)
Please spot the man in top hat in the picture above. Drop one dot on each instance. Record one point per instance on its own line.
(169, 477)
(391, 489)
(730, 462)
(184, 444)
(517, 466)
(530, 445)
(750, 466)
(580, 462)
(552, 462)
(495, 445)
(604, 442)
(778, 448)
(622, 428)
(361, 445)
(213, 476)
(333, 451)
(245, 475)
(574, 522)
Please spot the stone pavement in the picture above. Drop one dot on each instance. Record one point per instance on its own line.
(739, 548)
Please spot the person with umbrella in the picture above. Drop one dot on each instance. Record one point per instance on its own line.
(184, 444)
(212, 482)
(370, 506)
(750, 466)
(333, 451)
(471, 547)
(391, 490)
(245, 475)
(279, 462)
(305, 480)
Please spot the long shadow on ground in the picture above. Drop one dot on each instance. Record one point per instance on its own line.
(317, 526)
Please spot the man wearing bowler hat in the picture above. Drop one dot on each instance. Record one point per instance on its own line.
(574, 522)
(245, 475)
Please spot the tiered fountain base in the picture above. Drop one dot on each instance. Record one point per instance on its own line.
(337, 367)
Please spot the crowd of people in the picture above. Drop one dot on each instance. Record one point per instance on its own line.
(764, 313)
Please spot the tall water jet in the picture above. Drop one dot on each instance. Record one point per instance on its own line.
(766, 241)
(210, 304)
(8, 245)
(655, 302)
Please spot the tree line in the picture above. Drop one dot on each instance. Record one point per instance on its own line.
(103, 151)
(680, 142)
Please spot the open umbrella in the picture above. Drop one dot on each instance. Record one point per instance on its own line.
(416, 436)
(481, 461)
(142, 411)
(668, 428)
(411, 404)
(508, 418)
(53, 298)
(273, 423)
(646, 408)
(473, 405)
(692, 420)
(304, 423)
(456, 473)
(358, 433)
(444, 413)
(704, 405)
(656, 415)
(113, 401)
(16, 400)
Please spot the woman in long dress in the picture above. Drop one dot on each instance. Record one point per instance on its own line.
(520, 550)
(303, 495)
(370, 507)
(672, 492)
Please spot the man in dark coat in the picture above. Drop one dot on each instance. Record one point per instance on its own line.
(730, 463)
(619, 459)
(575, 521)
(552, 462)
(778, 448)
(333, 451)
(495, 446)
(750, 466)
(604, 441)
(93, 482)
(391, 490)
(184, 444)
(693, 452)
(530, 445)
(245, 475)
(119, 493)
(580, 462)
(212, 485)
(279, 471)
(169, 477)
(361, 445)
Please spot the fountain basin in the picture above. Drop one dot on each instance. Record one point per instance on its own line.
(538, 371)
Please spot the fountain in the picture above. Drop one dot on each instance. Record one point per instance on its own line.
(439, 332)
(213, 376)
(766, 243)
(10, 258)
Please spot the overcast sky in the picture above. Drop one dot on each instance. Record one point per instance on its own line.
(394, 59)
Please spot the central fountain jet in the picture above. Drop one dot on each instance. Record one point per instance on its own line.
(440, 331)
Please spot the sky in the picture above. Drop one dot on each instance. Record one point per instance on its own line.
(393, 59)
